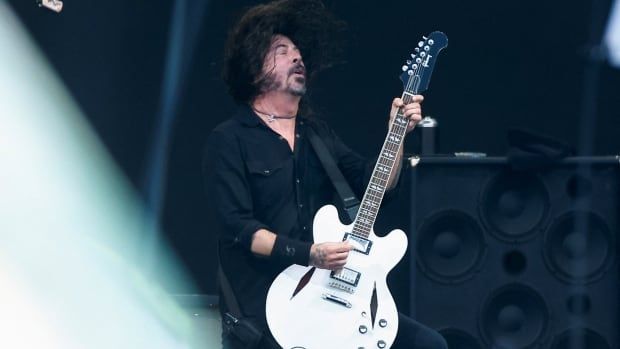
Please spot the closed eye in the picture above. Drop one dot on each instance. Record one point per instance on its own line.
(281, 49)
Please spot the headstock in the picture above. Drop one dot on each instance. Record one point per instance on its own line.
(418, 69)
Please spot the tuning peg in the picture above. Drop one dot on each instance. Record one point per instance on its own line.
(418, 60)
(422, 54)
(415, 66)
(410, 72)
(421, 43)
(417, 49)
(405, 68)
(427, 48)
(409, 62)
(431, 42)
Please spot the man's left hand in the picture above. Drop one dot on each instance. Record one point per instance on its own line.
(411, 110)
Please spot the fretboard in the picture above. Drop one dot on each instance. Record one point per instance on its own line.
(369, 208)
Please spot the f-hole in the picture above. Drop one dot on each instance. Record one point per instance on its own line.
(303, 282)
(373, 305)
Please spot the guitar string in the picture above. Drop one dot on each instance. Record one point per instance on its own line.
(392, 148)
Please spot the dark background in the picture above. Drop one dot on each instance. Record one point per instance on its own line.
(508, 64)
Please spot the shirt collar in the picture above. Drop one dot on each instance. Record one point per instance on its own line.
(246, 116)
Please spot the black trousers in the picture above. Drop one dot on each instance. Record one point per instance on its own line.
(411, 335)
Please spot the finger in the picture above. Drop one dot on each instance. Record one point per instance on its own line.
(410, 106)
(337, 266)
(397, 103)
(338, 257)
(413, 110)
(417, 99)
(415, 118)
(343, 247)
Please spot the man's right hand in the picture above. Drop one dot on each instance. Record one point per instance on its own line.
(330, 255)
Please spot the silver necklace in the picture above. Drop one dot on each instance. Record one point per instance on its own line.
(271, 118)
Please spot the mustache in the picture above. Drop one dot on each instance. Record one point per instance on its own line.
(297, 68)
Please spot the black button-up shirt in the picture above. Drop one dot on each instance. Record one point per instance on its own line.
(255, 181)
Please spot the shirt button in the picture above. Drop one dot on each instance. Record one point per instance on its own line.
(297, 135)
(305, 228)
(301, 122)
(298, 180)
(301, 205)
(281, 138)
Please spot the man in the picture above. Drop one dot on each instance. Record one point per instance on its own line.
(265, 180)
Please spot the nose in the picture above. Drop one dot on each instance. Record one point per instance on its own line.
(297, 56)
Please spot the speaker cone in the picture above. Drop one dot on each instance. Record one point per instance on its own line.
(579, 247)
(514, 206)
(450, 247)
(580, 338)
(514, 316)
(458, 339)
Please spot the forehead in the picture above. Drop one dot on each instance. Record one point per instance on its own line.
(280, 39)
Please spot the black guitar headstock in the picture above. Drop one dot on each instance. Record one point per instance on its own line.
(418, 69)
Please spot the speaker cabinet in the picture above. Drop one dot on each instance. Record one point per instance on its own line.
(508, 259)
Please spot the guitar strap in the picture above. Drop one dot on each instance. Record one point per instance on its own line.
(233, 322)
(227, 292)
(349, 200)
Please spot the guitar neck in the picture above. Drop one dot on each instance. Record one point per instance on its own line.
(369, 208)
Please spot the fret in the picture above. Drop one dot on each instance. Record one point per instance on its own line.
(368, 214)
(374, 193)
(361, 233)
(389, 154)
(394, 139)
(384, 169)
(368, 210)
(372, 205)
(391, 145)
(386, 162)
(365, 211)
(381, 182)
(407, 97)
(361, 226)
(377, 187)
(402, 121)
(364, 227)
(365, 221)
(396, 144)
(378, 183)
(383, 174)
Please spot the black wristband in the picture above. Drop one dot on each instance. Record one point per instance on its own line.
(291, 251)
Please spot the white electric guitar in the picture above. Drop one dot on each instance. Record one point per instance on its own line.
(310, 308)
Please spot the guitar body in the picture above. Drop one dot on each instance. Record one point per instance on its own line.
(329, 312)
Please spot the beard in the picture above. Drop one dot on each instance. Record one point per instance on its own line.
(270, 83)
(299, 87)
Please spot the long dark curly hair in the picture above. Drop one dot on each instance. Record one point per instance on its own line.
(308, 23)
